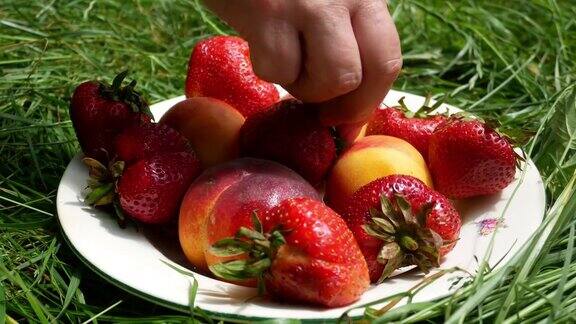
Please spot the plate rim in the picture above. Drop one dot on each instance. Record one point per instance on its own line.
(169, 304)
(185, 309)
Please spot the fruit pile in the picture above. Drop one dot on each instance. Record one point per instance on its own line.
(243, 173)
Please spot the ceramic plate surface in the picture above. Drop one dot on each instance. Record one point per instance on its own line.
(137, 260)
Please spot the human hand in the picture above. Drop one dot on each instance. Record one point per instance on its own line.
(342, 53)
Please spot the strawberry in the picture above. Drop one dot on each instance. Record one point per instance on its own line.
(301, 252)
(150, 183)
(414, 127)
(100, 111)
(143, 140)
(399, 221)
(150, 190)
(220, 68)
(290, 133)
(468, 158)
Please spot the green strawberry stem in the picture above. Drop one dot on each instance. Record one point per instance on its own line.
(100, 195)
(102, 183)
(407, 240)
(126, 94)
(338, 140)
(120, 217)
(424, 111)
(117, 82)
(259, 248)
(515, 136)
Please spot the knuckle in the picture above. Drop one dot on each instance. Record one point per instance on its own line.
(335, 10)
(390, 68)
(332, 86)
(273, 7)
(345, 82)
(310, 6)
(270, 73)
(264, 65)
(372, 6)
(323, 10)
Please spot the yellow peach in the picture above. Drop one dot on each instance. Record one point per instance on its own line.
(368, 159)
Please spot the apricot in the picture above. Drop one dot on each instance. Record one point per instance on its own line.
(211, 125)
(368, 159)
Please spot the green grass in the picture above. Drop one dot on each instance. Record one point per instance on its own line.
(510, 60)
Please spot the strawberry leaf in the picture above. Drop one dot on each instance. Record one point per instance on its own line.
(405, 209)
(423, 214)
(98, 196)
(276, 240)
(406, 239)
(232, 270)
(391, 265)
(255, 269)
(515, 135)
(126, 94)
(424, 111)
(408, 243)
(389, 251)
(369, 229)
(250, 234)
(385, 225)
(118, 79)
(230, 246)
(117, 168)
(96, 170)
(260, 248)
(387, 209)
(122, 220)
(256, 222)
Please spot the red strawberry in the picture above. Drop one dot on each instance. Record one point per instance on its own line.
(143, 140)
(100, 111)
(468, 158)
(302, 252)
(290, 133)
(415, 128)
(151, 189)
(399, 221)
(220, 68)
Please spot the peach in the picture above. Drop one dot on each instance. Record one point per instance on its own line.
(368, 159)
(256, 193)
(222, 199)
(197, 205)
(211, 125)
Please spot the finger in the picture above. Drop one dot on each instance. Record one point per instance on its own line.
(350, 133)
(275, 51)
(331, 59)
(381, 62)
(274, 43)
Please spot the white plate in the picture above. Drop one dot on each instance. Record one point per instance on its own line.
(136, 260)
